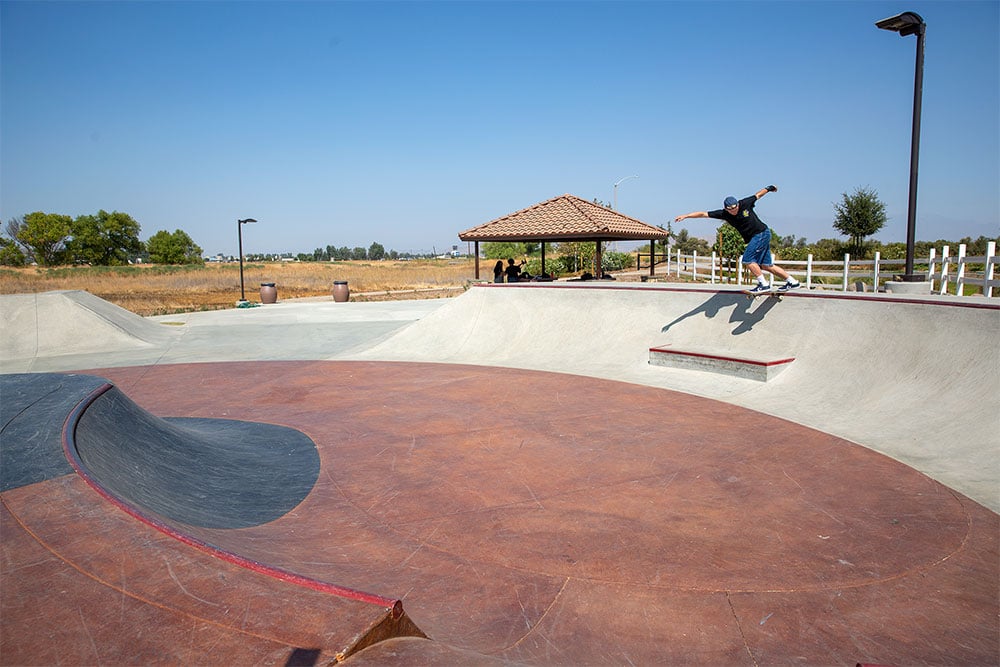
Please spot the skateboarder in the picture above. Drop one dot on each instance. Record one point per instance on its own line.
(757, 257)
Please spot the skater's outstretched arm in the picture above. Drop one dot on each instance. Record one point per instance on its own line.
(763, 191)
(695, 214)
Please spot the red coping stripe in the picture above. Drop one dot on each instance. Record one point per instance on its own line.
(777, 362)
(69, 447)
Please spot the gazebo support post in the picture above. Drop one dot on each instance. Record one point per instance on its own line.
(652, 257)
(543, 258)
(597, 259)
(477, 260)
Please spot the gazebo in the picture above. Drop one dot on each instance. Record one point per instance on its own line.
(564, 218)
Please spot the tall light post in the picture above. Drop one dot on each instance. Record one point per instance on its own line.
(910, 23)
(239, 232)
(614, 205)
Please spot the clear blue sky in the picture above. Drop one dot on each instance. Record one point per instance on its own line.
(342, 123)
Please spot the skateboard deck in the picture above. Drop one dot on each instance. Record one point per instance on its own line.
(774, 294)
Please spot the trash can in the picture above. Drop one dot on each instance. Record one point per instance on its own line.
(341, 292)
(268, 293)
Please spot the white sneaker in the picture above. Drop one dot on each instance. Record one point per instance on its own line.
(789, 285)
(761, 287)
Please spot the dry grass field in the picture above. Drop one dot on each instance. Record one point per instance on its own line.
(161, 290)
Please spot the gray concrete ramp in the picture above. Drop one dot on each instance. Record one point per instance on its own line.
(912, 378)
(71, 322)
(60, 331)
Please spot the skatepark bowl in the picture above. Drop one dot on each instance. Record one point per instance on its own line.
(538, 474)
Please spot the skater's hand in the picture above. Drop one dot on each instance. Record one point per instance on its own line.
(772, 188)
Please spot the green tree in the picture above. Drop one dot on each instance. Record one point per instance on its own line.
(729, 245)
(688, 244)
(826, 250)
(504, 249)
(859, 215)
(376, 251)
(791, 241)
(789, 247)
(44, 235)
(613, 260)
(176, 248)
(13, 253)
(576, 255)
(10, 253)
(338, 254)
(978, 246)
(105, 239)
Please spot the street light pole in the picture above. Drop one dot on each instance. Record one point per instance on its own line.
(614, 205)
(910, 23)
(239, 231)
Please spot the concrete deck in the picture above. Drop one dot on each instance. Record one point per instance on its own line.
(511, 468)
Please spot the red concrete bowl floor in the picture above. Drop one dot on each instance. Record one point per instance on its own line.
(521, 517)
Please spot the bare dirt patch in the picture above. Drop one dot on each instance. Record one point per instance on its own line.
(161, 290)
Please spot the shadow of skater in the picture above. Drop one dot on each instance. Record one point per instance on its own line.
(303, 657)
(746, 317)
(742, 315)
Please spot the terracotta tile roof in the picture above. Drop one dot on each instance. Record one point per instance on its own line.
(563, 218)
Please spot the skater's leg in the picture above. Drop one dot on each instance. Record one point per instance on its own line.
(790, 283)
(778, 271)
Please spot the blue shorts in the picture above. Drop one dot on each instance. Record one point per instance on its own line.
(759, 249)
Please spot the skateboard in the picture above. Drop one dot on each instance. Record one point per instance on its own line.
(774, 294)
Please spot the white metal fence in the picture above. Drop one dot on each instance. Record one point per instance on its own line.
(947, 273)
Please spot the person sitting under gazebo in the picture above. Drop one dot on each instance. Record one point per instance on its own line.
(513, 270)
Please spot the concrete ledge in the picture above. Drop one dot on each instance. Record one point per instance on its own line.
(761, 370)
(899, 287)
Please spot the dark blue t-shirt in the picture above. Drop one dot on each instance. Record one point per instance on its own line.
(745, 220)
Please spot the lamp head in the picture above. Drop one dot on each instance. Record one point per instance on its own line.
(243, 222)
(907, 23)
